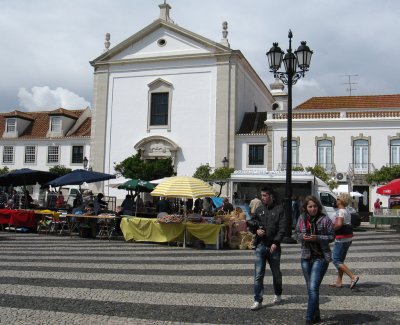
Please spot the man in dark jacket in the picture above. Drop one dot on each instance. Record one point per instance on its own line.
(269, 225)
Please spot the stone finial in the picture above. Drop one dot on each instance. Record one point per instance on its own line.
(164, 12)
(107, 42)
(224, 40)
(277, 85)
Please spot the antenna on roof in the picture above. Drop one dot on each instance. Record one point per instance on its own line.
(349, 83)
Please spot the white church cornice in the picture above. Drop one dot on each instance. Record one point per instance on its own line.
(106, 57)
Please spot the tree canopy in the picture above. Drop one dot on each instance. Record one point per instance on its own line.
(136, 168)
(60, 170)
(4, 170)
(321, 173)
(383, 175)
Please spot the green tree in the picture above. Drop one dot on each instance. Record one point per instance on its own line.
(383, 175)
(203, 172)
(60, 170)
(321, 173)
(135, 167)
(219, 176)
(4, 170)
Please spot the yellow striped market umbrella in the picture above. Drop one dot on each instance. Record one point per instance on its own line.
(183, 187)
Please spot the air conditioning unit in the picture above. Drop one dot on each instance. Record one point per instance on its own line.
(341, 177)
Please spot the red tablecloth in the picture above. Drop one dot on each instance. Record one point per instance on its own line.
(5, 215)
(18, 218)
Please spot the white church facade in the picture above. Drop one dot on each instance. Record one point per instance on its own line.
(169, 92)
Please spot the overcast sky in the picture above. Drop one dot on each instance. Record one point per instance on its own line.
(46, 45)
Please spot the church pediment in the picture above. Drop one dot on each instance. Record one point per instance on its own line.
(161, 39)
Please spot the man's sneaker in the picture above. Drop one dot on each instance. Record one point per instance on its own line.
(256, 306)
(277, 299)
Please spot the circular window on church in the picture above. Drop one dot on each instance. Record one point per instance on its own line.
(161, 42)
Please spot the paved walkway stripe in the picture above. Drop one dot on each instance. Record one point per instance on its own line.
(204, 300)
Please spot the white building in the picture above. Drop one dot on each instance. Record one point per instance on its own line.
(172, 93)
(41, 140)
(349, 136)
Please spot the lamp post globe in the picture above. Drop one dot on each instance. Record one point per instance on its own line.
(301, 59)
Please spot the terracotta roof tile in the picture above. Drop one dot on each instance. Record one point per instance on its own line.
(253, 123)
(40, 123)
(84, 130)
(64, 112)
(19, 114)
(352, 102)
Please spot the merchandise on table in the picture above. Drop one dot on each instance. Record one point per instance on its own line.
(171, 218)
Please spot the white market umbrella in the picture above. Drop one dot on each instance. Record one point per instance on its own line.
(356, 194)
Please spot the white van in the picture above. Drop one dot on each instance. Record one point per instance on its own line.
(69, 192)
(248, 183)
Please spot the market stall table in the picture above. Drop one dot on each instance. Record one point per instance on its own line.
(150, 230)
(5, 215)
(392, 220)
(18, 218)
(107, 223)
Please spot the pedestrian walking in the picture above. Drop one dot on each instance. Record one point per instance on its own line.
(314, 231)
(343, 239)
(269, 226)
(254, 204)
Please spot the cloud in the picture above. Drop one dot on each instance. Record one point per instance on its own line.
(44, 98)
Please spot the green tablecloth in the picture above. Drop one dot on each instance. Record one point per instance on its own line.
(145, 229)
(384, 220)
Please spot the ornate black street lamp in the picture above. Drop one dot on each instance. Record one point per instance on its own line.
(225, 162)
(301, 58)
(85, 163)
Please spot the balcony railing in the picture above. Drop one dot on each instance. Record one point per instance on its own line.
(361, 168)
(329, 168)
(282, 166)
(392, 164)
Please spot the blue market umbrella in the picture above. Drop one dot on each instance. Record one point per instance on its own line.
(26, 176)
(80, 176)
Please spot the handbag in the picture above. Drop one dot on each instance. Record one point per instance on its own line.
(345, 231)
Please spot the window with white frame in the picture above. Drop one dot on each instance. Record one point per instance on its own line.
(295, 153)
(324, 154)
(8, 155)
(256, 154)
(395, 152)
(55, 124)
(77, 155)
(30, 154)
(53, 155)
(360, 156)
(11, 125)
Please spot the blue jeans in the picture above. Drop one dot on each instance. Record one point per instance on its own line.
(339, 252)
(263, 256)
(314, 270)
